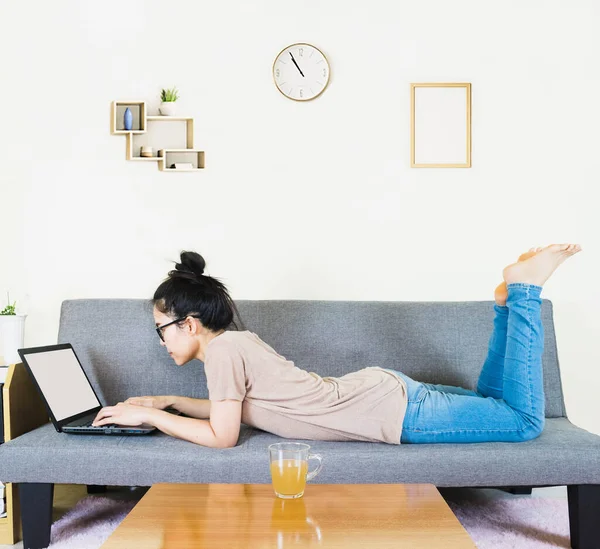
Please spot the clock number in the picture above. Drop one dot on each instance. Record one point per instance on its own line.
(301, 93)
(324, 72)
(277, 73)
(301, 52)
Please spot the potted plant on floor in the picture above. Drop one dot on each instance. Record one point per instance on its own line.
(168, 98)
(12, 330)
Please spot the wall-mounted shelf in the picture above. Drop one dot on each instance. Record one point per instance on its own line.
(173, 135)
(189, 126)
(137, 108)
(173, 156)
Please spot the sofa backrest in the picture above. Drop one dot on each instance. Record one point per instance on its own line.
(433, 342)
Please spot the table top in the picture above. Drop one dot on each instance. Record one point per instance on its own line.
(328, 515)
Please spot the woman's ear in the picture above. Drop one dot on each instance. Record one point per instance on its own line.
(194, 326)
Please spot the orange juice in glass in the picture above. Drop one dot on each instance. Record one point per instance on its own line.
(289, 468)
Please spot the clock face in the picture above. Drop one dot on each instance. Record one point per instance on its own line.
(301, 72)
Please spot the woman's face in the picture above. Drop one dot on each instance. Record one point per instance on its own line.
(178, 339)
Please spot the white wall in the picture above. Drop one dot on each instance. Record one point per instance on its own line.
(303, 200)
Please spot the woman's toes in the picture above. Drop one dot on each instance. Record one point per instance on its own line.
(557, 247)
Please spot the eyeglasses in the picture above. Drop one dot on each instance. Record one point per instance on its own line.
(159, 329)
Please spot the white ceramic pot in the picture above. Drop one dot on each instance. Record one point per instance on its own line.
(167, 109)
(12, 330)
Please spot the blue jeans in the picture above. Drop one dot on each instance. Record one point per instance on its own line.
(508, 405)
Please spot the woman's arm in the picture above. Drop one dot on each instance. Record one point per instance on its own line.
(221, 431)
(194, 407)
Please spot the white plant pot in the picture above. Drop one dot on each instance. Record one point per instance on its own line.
(167, 109)
(12, 330)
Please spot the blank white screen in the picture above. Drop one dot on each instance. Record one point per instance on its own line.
(63, 382)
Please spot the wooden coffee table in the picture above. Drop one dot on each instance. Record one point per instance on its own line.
(249, 516)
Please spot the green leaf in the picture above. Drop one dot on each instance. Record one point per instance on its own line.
(169, 95)
(9, 309)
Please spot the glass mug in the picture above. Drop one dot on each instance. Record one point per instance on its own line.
(289, 468)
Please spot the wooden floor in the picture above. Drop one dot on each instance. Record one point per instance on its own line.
(66, 497)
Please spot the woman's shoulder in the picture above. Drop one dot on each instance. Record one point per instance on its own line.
(244, 341)
(230, 338)
(237, 335)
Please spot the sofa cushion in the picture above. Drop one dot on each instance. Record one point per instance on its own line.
(434, 342)
(562, 454)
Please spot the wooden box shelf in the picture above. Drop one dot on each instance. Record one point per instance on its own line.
(137, 108)
(173, 135)
(172, 156)
(189, 126)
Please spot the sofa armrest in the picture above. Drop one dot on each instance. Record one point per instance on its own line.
(24, 410)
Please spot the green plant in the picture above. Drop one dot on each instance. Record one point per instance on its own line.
(169, 96)
(9, 309)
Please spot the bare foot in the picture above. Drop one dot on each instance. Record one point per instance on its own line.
(501, 292)
(538, 268)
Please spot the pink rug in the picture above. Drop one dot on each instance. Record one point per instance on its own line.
(516, 522)
(492, 522)
(89, 524)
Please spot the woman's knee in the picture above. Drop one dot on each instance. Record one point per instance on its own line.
(533, 428)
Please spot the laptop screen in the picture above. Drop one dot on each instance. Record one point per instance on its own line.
(63, 382)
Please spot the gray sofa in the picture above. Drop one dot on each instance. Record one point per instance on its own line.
(435, 342)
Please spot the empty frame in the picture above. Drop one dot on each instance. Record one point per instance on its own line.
(440, 125)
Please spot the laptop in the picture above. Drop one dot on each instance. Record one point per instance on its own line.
(68, 394)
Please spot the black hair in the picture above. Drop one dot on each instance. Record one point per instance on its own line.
(188, 291)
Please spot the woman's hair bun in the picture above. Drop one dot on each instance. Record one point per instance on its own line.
(191, 265)
(188, 291)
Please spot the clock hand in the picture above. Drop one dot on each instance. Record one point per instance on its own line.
(296, 64)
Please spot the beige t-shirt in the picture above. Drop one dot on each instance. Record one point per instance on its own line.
(280, 398)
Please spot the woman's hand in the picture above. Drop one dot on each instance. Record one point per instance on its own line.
(158, 402)
(122, 414)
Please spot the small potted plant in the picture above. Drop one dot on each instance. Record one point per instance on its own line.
(12, 329)
(168, 98)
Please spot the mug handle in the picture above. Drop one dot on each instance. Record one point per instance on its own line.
(314, 473)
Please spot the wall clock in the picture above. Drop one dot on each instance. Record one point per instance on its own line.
(301, 72)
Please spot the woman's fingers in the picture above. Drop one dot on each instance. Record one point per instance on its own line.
(104, 421)
(103, 415)
(140, 401)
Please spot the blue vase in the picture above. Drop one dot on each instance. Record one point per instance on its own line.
(128, 119)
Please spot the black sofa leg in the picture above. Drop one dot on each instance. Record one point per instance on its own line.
(96, 489)
(584, 523)
(36, 514)
(518, 490)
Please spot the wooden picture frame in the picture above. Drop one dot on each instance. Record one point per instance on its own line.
(440, 125)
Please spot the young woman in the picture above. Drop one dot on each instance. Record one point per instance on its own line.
(249, 382)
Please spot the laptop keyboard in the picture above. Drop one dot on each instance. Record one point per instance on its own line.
(88, 423)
